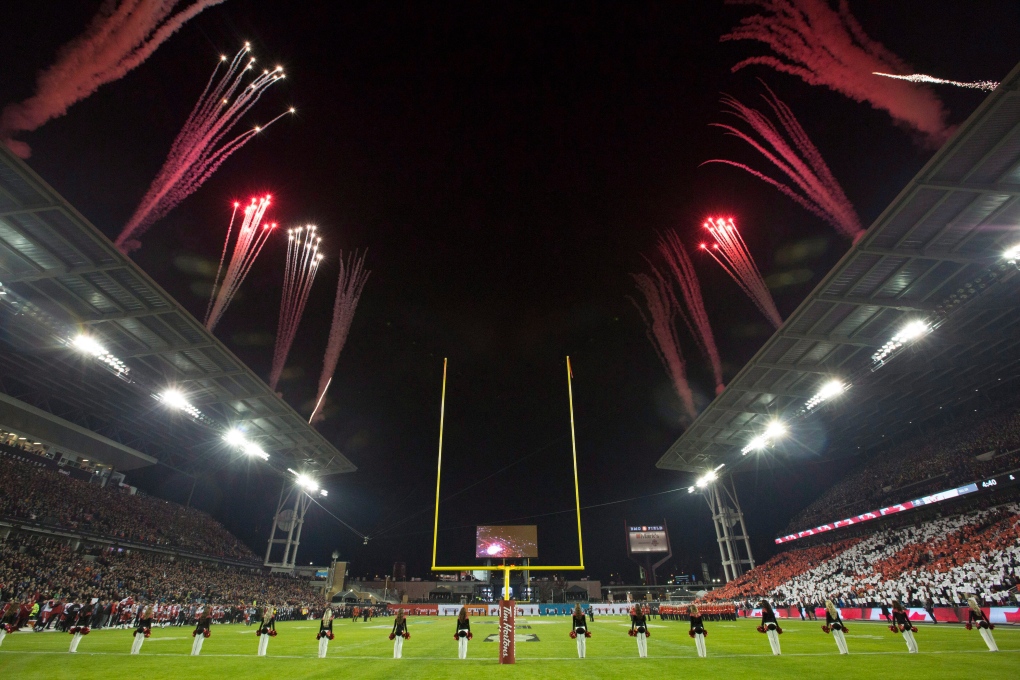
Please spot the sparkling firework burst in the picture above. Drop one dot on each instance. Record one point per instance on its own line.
(200, 149)
(350, 283)
(825, 46)
(730, 251)
(986, 85)
(788, 147)
(251, 236)
(303, 259)
(679, 262)
(660, 325)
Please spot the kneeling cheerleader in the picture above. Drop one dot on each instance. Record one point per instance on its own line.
(901, 624)
(462, 633)
(399, 634)
(202, 629)
(639, 630)
(579, 631)
(698, 631)
(984, 626)
(266, 629)
(770, 627)
(143, 630)
(325, 632)
(834, 624)
(77, 630)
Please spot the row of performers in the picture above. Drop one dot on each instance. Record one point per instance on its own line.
(769, 626)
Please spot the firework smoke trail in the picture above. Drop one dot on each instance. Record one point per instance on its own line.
(661, 329)
(672, 249)
(986, 85)
(730, 251)
(350, 283)
(199, 148)
(251, 236)
(823, 46)
(303, 259)
(121, 36)
(817, 190)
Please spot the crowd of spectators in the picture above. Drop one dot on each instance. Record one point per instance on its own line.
(38, 569)
(43, 495)
(971, 448)
(938, 560)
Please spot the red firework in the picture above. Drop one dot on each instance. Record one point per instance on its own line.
(730, 251)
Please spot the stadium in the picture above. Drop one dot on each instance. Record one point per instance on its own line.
(173, 502)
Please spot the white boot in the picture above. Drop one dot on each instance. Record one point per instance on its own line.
(840, 641)
(989, 640)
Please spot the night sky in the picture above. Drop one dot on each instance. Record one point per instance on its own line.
(507, 165)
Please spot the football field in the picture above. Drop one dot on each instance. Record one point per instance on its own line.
(544, 650)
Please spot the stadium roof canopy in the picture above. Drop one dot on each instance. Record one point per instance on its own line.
(60, 277)
(936, 255)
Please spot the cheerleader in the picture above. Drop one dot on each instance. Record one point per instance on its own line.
(770, 627)
(984, 626)
(834, 624)
(399, 634)
(697, 631)
(143, 629)
(8, 619)
(463, 633)
(266, 629)
(325, 632)
(901, 624)
(202, 629)
(639, 630)
(77, 629)
(579, 631)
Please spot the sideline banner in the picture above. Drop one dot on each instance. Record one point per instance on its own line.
(507, 614)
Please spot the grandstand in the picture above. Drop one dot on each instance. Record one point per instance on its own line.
(918, 320)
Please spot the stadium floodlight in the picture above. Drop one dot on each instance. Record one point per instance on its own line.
(908, 333)
(1012, 254)
(86, 344)
(706, 479)
(175, 399)
(255, 451)
(323, 493)
(829, 390)
(235, 438)
(773, 431)
(690, 489)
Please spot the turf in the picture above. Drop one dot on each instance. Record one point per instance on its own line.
(362, 651)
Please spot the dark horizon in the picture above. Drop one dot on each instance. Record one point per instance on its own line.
(507, 168)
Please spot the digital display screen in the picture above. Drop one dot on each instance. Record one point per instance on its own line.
(984, 485)
(647, 539)
(507, 541)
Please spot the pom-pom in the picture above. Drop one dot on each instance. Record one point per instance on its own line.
(648, 633)
(704, 632)
(392, 636)
(329, 634)
(456, 636)
(194, 633)
(691, 633)
(894, 629)
(148, 632)
(587, 634)
(72, 630)
(761, 629)
(825, 629)
(271, 632)
(779, 630)
(845, 629)
(913, 630)
(631, 633)
(258, 632)
(968, 626)
(206, 633)
(991, 626)
(470, 635)
(407, 636)
(573, 635)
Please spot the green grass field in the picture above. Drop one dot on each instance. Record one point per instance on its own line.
(362, 651)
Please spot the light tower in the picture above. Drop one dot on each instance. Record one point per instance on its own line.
(726, 516)
(295, 497)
